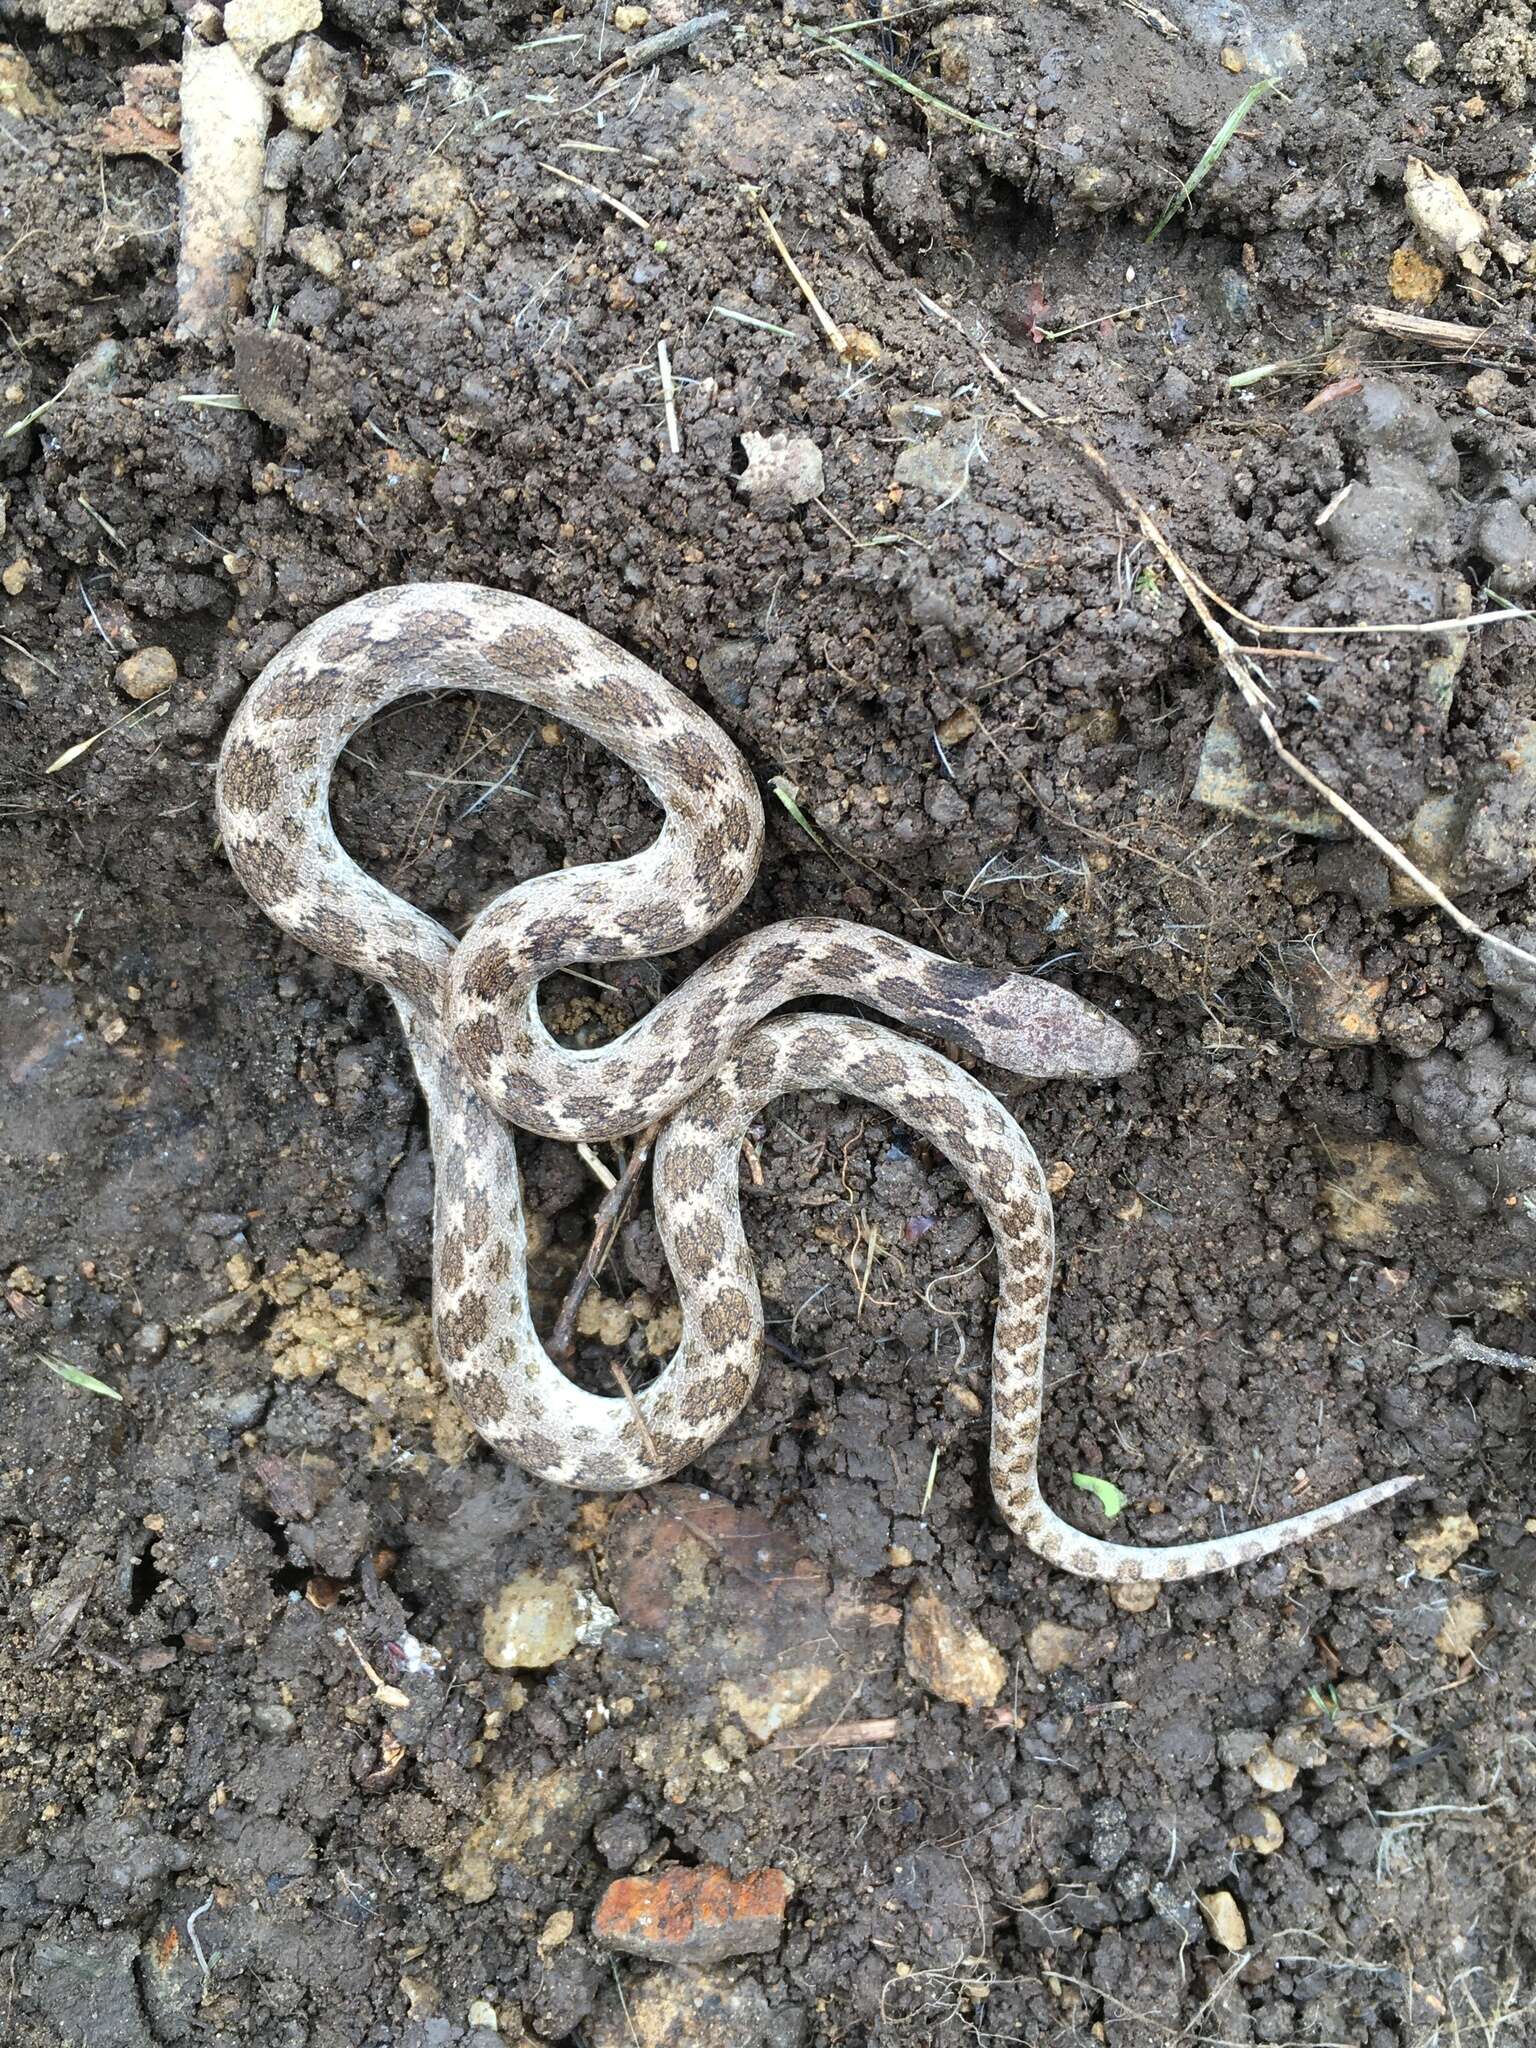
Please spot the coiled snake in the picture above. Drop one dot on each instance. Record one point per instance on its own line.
(703, 1054)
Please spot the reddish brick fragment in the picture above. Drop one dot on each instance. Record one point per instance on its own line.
(694, 1916)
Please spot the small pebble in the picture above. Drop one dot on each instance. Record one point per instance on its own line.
(313, 89)
(1224, 1918)
(1136, 1596)
(147, 674)
(1053, 1646)
(627, 19)
(621, 1839)
(256, 26)
(317, 251)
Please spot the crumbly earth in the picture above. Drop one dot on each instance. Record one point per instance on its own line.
(261, 1778)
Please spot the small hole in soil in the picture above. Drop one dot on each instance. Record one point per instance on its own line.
(144, 1582)
(292, 1576)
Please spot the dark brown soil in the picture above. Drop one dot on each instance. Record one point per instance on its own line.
(992, 702)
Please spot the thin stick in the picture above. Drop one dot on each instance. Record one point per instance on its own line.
(662, 44)
(621, 1379)
(1117, 313)
(584, 1151)
(623, 2002)
(842, 1735)
(1240, 668)
(829, 326)
(597, 192)
(606, 1225)
(668, 397)
(1446, 334)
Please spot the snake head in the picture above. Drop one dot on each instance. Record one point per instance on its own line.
(1046, 1033)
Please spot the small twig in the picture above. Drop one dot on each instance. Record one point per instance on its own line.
(36, 659)
(597, 192)
(1463, 1346)
(1240, 669)
(1446, 334)
(666, 40)
(842, 1735)
(668, 397)
(650, 48)
(621, 1380)
(606, 1225)
(828, 325)
(584, 1151)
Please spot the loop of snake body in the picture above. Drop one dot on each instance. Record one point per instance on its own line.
(704, 1054)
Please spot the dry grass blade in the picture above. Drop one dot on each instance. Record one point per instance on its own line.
(788, 795)
(846, 28)
(1239, 665)
(828, 325)
(668, 397)
(84, 746)
(751, 320)
(597, 192)
(1215, 149)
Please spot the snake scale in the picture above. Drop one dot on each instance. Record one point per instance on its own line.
(707, 1056)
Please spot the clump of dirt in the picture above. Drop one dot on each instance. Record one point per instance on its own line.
(263, 1783)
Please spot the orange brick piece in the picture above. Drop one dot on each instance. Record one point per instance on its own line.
(694, 1916)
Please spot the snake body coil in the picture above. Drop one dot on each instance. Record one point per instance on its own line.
(704, 1054)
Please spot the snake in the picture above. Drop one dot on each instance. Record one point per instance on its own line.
(703, 1062)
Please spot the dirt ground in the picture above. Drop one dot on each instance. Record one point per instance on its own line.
(259, 1779)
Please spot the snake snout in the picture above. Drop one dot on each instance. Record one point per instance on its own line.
(1108, 1047)
(1047, 1033)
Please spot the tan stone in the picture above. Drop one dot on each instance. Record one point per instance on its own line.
(1053, 1646)
(539, 1618)
(256, 26)
(149, 673)
(1466, 1621)
(1225, 1919)
(948, 1657)
(1436, 1546)
(1269, 1772)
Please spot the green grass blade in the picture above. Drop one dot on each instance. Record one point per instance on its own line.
(1215, 149)
(83, 1380)
(916, 92)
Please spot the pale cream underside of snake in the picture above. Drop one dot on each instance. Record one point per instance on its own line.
(705, 1055)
